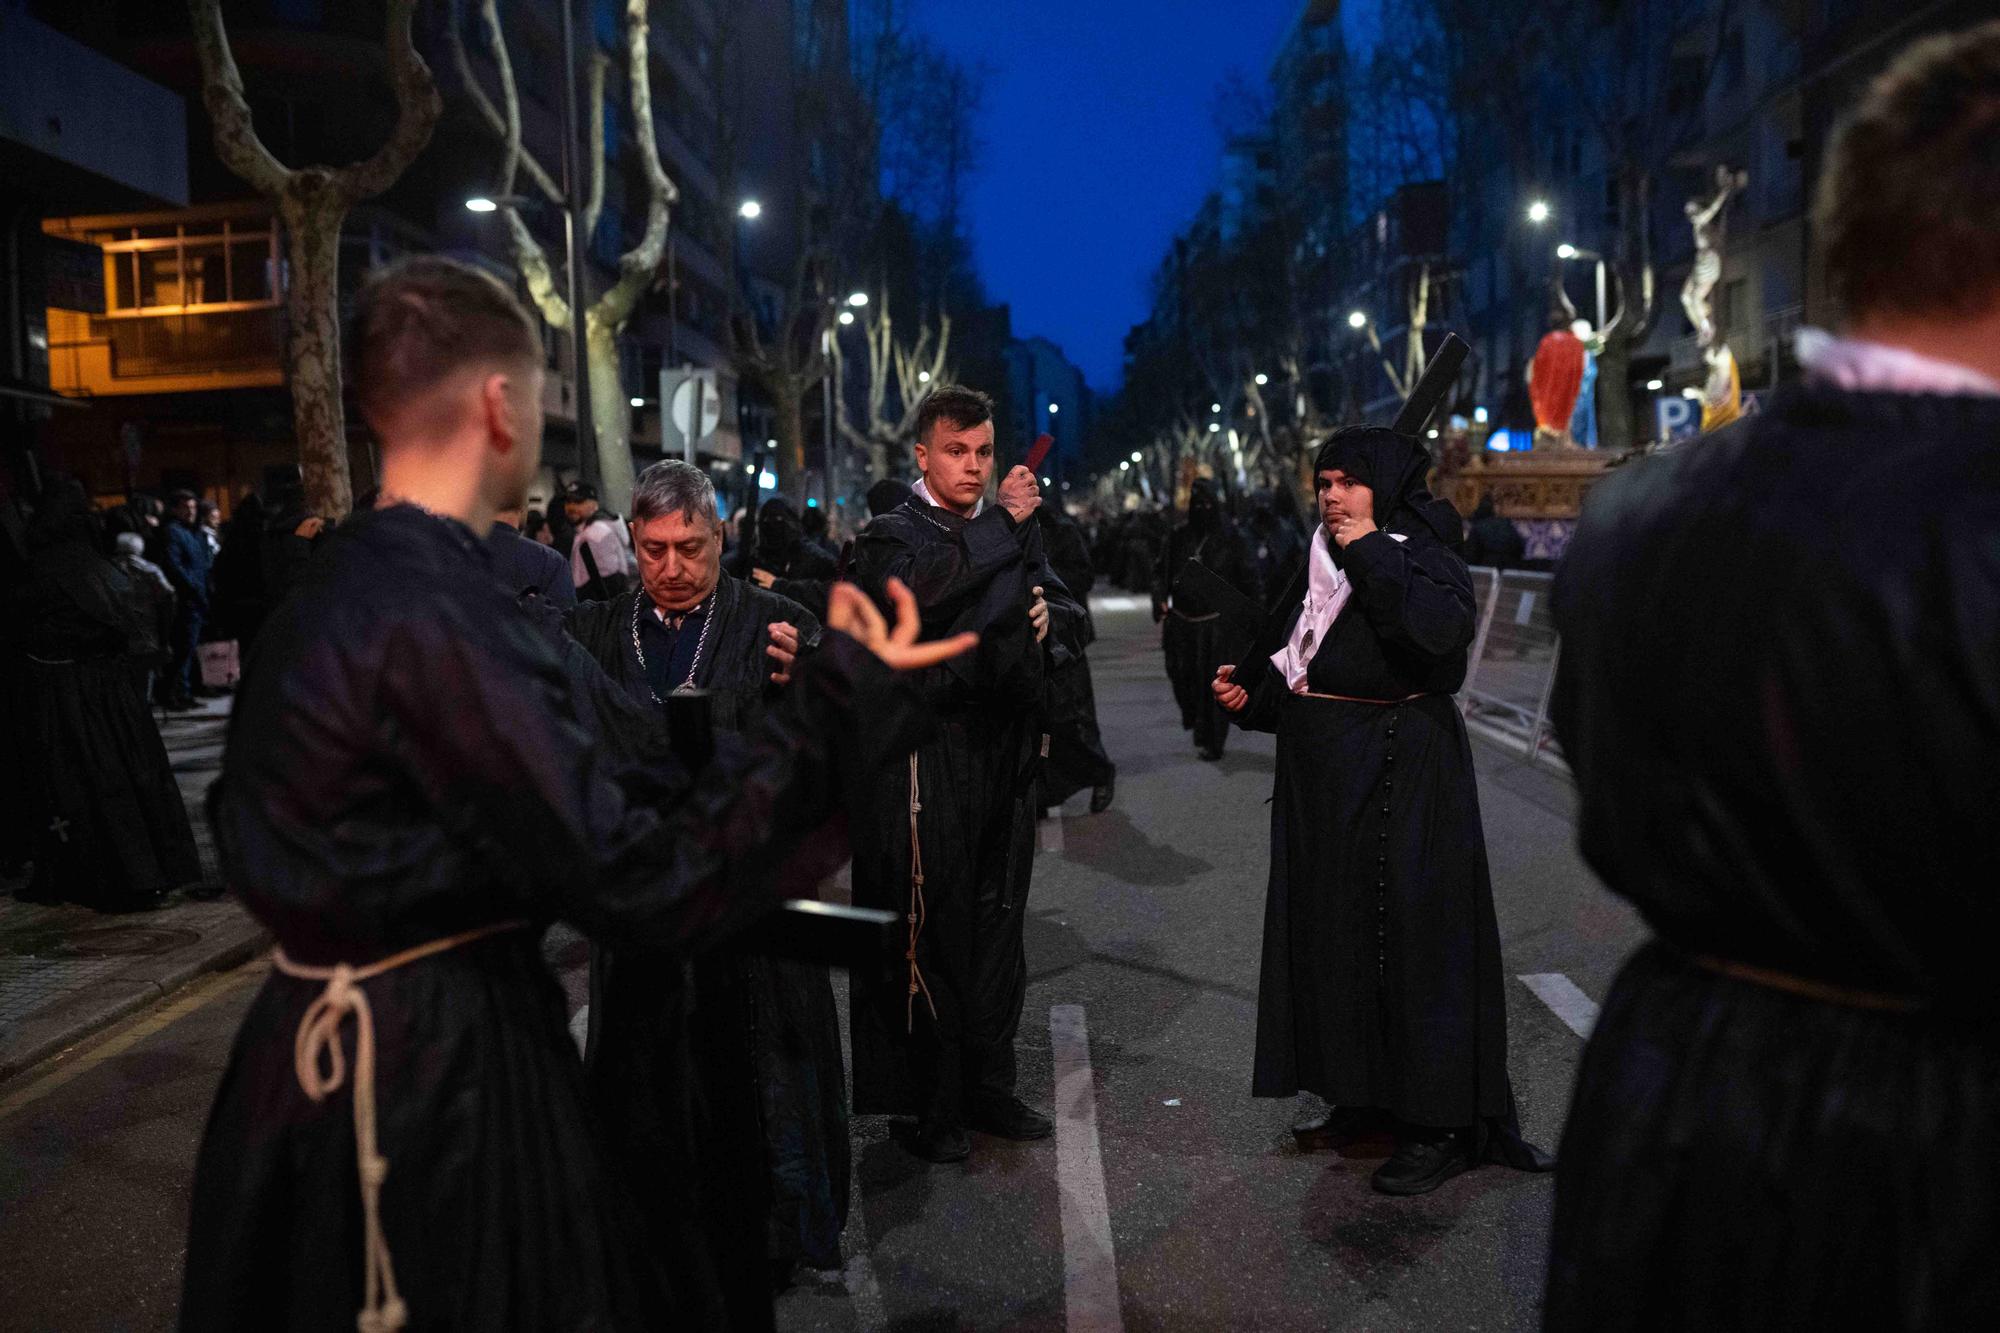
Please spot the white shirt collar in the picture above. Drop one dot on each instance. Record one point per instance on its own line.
(1854, 363)
(924, 494)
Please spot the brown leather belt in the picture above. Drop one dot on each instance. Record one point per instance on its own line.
(1826, 992)
(1350, 699)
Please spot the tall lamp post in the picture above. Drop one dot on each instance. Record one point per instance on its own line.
(1567, 251)
(855, 301)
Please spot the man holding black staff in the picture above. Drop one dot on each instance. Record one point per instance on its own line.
(951, 843)
(767, 1124)
(408, 797)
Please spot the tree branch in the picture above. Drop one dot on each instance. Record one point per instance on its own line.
(593, 207)
(236, 141)
(489, 22)
(418, 107)
(637, 266)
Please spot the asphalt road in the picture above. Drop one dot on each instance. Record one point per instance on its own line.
(1148, 919)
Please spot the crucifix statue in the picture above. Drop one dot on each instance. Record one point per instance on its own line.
(1709, 218)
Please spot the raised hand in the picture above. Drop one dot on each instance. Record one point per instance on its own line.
(784, 649)
(1020, 494)
(849, 611)
(1038, 615)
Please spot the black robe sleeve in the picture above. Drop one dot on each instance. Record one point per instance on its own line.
(1416, 594)
(947, 577)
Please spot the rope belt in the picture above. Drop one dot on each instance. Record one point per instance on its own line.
(1826, 992)
(1195, 620)
(1350, 699)
(382, 1311)
(918, 910)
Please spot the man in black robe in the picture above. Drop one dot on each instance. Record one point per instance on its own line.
(410, 793)
(108, 826)
(1195, 637)
(1076, 746)
(1780, 694)
(1382, 988)
(768, 1121)
(951, 843)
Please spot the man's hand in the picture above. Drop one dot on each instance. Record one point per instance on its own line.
(1347, 529)
(1227, 692)
(784, 650)
(311, 528)
(849, 611)
(1020, 494)
(763, 578)
(1038, 615)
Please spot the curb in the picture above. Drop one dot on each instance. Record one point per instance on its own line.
(69, 1022)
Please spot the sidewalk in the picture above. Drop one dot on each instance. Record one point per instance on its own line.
(67, 971)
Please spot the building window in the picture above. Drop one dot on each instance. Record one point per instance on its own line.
(174, 269)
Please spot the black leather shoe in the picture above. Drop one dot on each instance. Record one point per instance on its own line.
(938, 1141)
(1101, 794)
(1208, 753)
(1419, 1166)
(1012, 1119)
(1342, 1128)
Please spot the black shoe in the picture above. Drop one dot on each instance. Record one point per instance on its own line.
(938, 1141)
(1342, 1128)
(1100, 795)
(1208, 754)
(1420, 1165)
(1012, 1119)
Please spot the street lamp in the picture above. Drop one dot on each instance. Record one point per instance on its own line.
(923, 377)
(1054, 408)
(1136, 456)
(1357, 320)
(1539, 211)
(638, 402)
(1654, 386)
(1215, 407)
(1262, 379)
(847, 317)
(1565, 251)
(1124, 466)
(858, 299)
(750, 210)
(479, 203)
(1214, 427)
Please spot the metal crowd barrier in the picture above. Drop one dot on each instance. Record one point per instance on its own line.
(1513, 664)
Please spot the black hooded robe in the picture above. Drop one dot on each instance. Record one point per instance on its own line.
(1077, 761)
(1780, 694)
(1197, 640)
(762, 1033)
(950, 1045)
(1382, 981)
(409, 759)
(108, 826)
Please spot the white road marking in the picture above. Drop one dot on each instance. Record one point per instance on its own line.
(1090, 1267)
(1561, 994)
(1120, 603)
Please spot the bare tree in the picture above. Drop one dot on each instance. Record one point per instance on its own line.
(898, 370)
(313, 202)
(638, 268)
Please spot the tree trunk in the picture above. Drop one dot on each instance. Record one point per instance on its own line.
(788, 419)
(312, 305)
(610, 415)
(878, 459)
(1614, 396)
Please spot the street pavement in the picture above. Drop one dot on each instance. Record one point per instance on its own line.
(1169, 1199)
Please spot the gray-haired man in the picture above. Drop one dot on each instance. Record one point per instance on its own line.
(688, 1062)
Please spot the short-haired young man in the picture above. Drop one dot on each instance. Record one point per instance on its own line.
(937, 1041)
(409, 796)
(1780, 693)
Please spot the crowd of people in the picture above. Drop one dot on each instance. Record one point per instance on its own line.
(467, 719)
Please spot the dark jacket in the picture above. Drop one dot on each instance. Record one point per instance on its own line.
(523, 565)
(188, 560)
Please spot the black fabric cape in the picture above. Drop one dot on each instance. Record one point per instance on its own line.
(1780, 694)
(978, 786)
(410, 757)
(765, 1037)
(1196, 643)
(1077, 760)
(108, 827)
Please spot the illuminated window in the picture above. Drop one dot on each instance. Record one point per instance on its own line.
(170, 268)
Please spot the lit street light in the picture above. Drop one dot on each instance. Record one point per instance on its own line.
(1357, 320)
(1124, 467)
(1262, 380)
(1054, 408)
(750, 210)
(638, 402)
(923, 377)
(1565, 251)
(1135, 455)
(1479, 415)
(1654, 386)
(481, 204)
(1215, 428)
(847, 316)
(858, 299)
(1539, 211)
(1215, 407)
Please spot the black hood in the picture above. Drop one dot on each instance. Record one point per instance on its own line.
(1393, 466)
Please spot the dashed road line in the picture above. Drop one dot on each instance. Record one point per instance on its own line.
(1563, 996)
(1090, 1265)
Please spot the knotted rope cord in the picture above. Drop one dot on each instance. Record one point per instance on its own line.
(918, 912)
(382, 1309)
(700, 644)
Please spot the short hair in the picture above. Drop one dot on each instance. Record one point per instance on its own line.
(955, 404)
(130, 543)
(1908, 212)
(423, 319)
(674, 487)
(182, 497)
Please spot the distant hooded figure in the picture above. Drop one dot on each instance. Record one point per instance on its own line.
(887, 494)
(1382, 987)
(1192, 637)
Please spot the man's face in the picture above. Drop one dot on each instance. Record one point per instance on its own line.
(184, 510)
(1341, 496)
(957, 462)
(679, 559)
(579, 511)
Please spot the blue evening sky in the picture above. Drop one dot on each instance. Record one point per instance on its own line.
(1100, 143)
